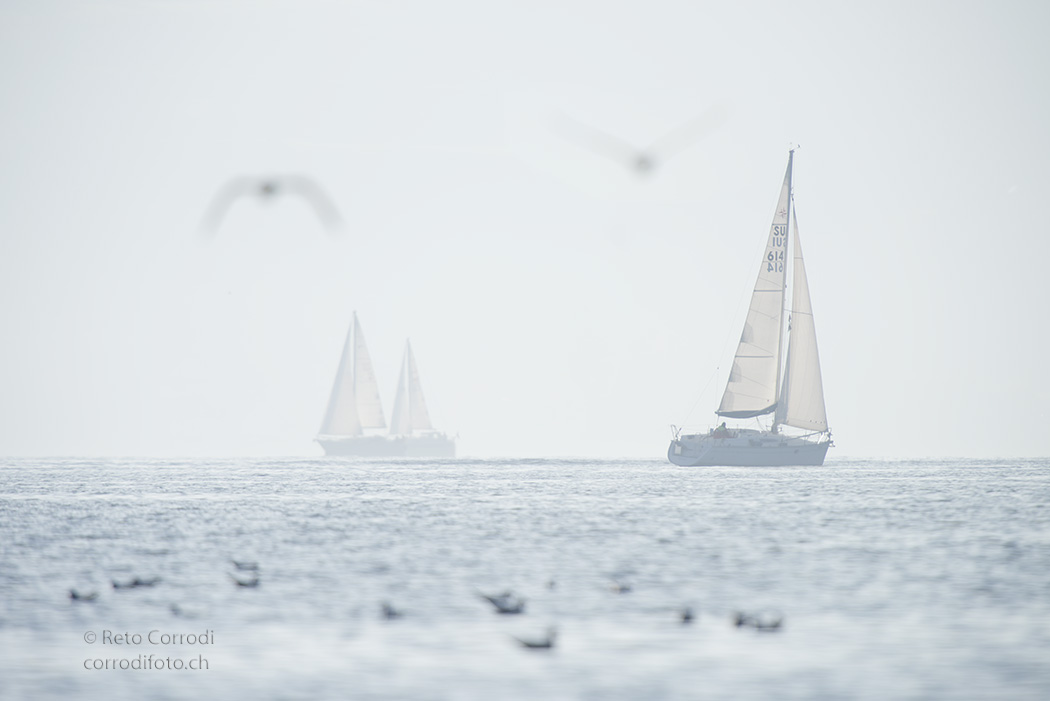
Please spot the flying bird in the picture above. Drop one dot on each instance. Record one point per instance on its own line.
(268, 188)
(643, 161)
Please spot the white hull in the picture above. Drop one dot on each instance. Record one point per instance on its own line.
(426, 446)
(746, 448)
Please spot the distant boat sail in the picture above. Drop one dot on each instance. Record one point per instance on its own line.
(760, 381)
(410, 409)
(354, 406)
(410, 426)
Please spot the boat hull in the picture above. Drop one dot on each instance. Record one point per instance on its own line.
(426, 446)
(746, 448)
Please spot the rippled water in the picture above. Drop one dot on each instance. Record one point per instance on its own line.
(906, 579)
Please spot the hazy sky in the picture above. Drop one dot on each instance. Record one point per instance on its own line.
(558, 304)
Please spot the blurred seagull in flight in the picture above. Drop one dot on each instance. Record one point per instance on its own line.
(268, 188)
(643, 161)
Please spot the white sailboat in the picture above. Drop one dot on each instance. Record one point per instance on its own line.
(354, 419)
(410, 426)
(762, 382)
(354, 405)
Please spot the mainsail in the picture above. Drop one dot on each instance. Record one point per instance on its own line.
(410, 409)
(366, 389)
(753, 379)
(354, 403)
(802, 399)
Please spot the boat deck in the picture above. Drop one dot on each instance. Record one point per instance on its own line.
(745, 448)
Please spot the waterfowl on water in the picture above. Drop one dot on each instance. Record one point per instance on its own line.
(507, 602)
(539, 643)
(247, 583)
(191, 612)
(765, 621)
(135, 583)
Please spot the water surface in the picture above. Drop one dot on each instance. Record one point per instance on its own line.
(896, 579)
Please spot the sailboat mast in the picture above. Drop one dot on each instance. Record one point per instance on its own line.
(783, 286)
(407, 373)
(353, 359)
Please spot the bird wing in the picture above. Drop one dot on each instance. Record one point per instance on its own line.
(687, 133)
(234, 189)
(596, 140)
(309, 190)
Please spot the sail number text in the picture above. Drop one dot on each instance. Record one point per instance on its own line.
(775, 258)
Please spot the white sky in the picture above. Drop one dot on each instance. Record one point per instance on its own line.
(557, 303)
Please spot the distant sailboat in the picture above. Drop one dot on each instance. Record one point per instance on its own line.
(762, 382)
(355, 412)
(410, 426)
(354, 404)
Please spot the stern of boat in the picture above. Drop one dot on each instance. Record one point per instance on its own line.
(687, 451)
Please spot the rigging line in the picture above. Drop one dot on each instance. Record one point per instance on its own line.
(790, 305)
(701, 396)
(725, 345)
